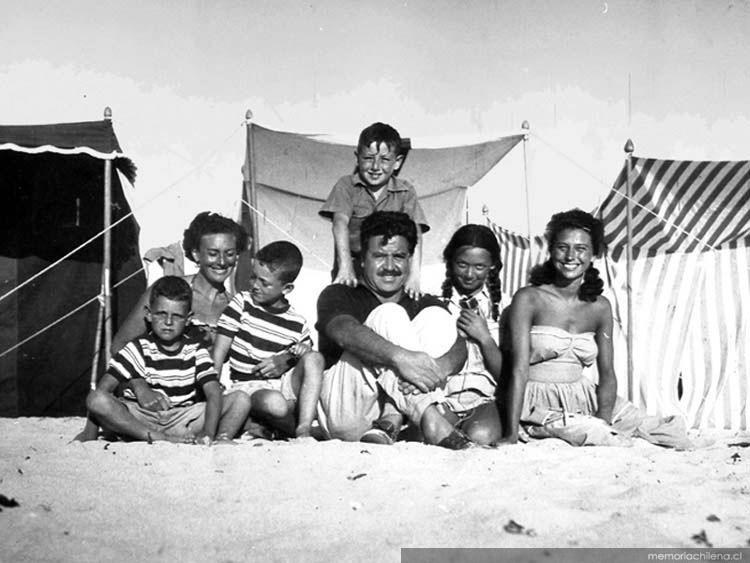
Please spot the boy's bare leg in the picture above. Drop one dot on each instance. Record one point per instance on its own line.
(270, 410)
(307, 380)
(115, 417)
(234, 413)
(90, 431)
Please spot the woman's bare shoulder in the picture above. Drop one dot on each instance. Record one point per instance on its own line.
(528, 294)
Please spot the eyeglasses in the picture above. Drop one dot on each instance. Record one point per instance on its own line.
(163, 317)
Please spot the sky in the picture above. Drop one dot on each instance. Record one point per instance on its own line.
(586, 75)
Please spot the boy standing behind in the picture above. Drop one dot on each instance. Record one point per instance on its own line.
(372, 187)
(162, 373)
(268, 344)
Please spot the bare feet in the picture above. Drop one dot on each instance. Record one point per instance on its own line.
(90, 432)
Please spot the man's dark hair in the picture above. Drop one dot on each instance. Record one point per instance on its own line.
(283, 258)
(173, 288)
(388, 224)
(380, 133)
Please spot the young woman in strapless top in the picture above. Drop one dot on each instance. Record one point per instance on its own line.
(560, 324)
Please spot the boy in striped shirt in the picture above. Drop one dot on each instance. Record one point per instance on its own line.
(269, 346)
(166, 377)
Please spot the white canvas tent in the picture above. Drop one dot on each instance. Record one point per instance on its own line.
(289, 175)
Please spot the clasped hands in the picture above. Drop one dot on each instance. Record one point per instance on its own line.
(418, 372)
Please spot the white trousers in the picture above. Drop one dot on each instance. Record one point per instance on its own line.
(353, 393)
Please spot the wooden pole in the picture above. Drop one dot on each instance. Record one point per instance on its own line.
(525, 128)
(97, 344)
(107, 265)
(629, 261)
(249, 180)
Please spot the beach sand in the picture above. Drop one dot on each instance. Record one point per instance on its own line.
(335, 501)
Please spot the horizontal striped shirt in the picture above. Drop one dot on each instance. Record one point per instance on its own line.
(258, 334)
(178, 374)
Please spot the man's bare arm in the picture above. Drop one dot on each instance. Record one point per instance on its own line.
(416, 367)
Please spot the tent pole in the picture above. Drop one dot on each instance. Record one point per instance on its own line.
(629, 261)
(249, 180)
(97, 344)
(106, 268)
(525, 129)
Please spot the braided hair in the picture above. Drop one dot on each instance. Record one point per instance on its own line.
(476, 236)
(592, 285)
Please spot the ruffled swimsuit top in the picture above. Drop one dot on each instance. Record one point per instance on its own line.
(559, 356)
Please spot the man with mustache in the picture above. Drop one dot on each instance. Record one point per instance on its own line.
(387, 355)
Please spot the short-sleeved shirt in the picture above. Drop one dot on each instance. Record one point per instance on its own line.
(178, 374)
(351, 197)
(258, 333)
(357, 302)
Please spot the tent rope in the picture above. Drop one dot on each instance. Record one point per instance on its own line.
(98, 297)
(302, 245)
(169, 187)
(667, 222)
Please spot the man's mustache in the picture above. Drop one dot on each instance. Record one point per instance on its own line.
(387, 272)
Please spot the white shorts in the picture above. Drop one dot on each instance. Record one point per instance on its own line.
(281, 384)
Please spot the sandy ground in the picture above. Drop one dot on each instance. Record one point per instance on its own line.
(335, 501)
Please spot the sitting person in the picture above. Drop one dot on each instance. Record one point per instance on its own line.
(374, 186)
(386, 354)
(560, 324)
(471, 291)
(163, 373)
(214, 243)
(268, 344)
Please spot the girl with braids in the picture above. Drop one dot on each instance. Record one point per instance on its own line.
(471, 291)
(560, 324)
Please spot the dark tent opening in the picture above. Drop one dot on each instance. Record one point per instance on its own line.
(51, 201)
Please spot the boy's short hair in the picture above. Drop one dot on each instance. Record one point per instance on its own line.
(173, 288)
(388, 224)
(283, 258)
(380, 133)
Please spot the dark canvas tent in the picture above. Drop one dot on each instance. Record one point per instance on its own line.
(51, 185)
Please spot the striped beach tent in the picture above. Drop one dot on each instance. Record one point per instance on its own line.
(690, 286)
(518, 255)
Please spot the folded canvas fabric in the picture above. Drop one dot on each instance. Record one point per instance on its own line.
(585, 430)
(171, 258)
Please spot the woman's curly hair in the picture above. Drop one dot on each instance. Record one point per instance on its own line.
(477, 236)
(207, 223)
(592, 286)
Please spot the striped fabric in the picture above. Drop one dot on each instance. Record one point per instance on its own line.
(679, 206)
(258, 334)
(518, 257)
(691, 287)
(176, 374)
